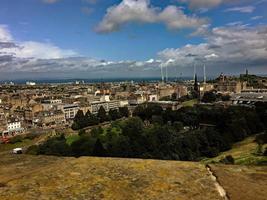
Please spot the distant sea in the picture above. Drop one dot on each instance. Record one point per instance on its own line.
(73, 80)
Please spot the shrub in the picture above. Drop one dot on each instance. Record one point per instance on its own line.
(31, 136)
(228, 160)
(16, 139)
(33, 150)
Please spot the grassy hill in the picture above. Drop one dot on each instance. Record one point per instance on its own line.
(47, 177)
(244, 153)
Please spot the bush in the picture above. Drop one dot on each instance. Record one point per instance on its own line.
(262, 138)
(33, 150)
(15, 139)
(31, 136)
(228, 160)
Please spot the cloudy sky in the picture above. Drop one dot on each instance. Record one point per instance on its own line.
(131, 38)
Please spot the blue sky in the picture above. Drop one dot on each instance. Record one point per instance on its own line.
(114, 38)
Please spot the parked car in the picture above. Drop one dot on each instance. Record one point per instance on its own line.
(17, 151)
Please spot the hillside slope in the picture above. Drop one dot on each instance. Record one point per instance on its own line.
(43, 177)
(243, 153)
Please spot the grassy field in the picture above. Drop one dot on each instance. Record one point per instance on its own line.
(9, 147)
(243, 152)
(49, 177)
(190, 103)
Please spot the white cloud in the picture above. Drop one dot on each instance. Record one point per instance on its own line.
(5, 35)
(225, 45)
(256, 17)
(42, 51)
(141, 11)
(244, 9)
(30, 49)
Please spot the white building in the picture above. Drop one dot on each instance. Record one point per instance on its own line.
(153, 97)
(30, 83)
(107, 105)
(53, 101)
(70, 110)
(13, 125)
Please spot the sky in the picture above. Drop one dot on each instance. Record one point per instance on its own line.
(43, 39)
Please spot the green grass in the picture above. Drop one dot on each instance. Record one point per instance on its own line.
(190, 103)
(243, 152)
(8, 147)
(72, 138)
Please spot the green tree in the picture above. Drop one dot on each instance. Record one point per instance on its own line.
(79, 120)
(99, 150)
(209, 97)
(178, 126)
(114, 114)
(124, 111)
(102, 115)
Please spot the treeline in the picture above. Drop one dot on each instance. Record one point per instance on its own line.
(188, 134)
(89, 119)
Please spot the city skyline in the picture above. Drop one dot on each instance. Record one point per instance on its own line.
(131, 38)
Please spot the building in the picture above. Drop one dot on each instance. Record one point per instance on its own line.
(30, 83)
(107, 105)
(70, 111)
(173, 105)
(52, 101)
(181, 90)
(229, 85)
(248, 98)
(47, 118)
(13, 125)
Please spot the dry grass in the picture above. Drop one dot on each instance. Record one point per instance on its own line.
(42, 177)
(243, 182)
(48, 177)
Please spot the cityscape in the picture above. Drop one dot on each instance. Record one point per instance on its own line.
(156, 100)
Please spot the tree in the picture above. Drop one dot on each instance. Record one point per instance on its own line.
(226, 97)
(83, 146)
(114, 114)
(124, 111)
(99, 150)
(209, 97)
(178, 126)
(79, 120)
(55, 146)
(102, 115)
(228, 160)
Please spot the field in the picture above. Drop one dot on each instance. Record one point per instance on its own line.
(190, 103)
(48, 177)
(244, 153)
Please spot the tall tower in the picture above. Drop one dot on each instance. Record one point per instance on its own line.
(196, 88)
(196, 83)
(166, 73)
(204, 71)
(162, 75)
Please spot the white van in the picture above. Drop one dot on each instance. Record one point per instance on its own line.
(17, 151)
